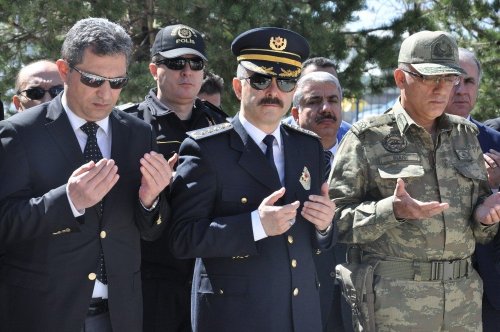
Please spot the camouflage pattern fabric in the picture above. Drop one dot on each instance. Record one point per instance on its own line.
(371, 157)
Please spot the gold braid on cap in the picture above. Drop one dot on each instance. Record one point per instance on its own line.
(270, 58)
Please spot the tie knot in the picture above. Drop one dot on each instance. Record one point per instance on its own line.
(90, 128)
(269, 141)
(328, 154)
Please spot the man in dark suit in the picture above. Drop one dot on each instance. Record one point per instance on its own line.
(462, 101)
(317, 106)
(251, 202)
(80, 187)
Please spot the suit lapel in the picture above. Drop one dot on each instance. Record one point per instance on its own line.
(293, 165)
(62, 133)
(120, 132)
(252, 159)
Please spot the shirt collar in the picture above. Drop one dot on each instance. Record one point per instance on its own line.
(76, 121)
(256, 134)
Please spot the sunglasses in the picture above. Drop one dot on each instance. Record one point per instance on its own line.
(95, 81)
(37, 93)
(431, 80)
(262, 82)
(195, 64)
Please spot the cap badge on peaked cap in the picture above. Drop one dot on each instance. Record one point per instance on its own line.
(442, 48)
(277, 43)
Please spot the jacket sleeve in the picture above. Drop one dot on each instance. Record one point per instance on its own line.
(196, 232)
(23, 215)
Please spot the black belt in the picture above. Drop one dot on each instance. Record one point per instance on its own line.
(97, 306)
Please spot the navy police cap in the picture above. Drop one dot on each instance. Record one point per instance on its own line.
(271, 51)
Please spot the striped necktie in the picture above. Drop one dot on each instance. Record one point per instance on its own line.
(328, 164)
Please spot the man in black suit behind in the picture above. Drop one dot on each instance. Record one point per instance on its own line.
(251, 201)
(462, 101)
(80, 185)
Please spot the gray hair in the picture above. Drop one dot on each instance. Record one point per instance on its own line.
(100, 35)
(318, 77)
(465, 54)
(241, 72)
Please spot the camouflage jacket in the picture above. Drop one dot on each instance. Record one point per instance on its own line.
(376, 152)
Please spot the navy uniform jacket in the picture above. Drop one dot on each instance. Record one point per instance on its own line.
(485, 257)
(51, 256)
(239, 284)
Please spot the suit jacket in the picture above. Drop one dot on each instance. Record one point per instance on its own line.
(49, 254)
(493, 123)
(485, 254)
(242, 284)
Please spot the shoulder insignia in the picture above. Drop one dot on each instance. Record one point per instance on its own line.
(371, 122)
(463, 123)
(209, 131)
(126, 107)
(299, 129)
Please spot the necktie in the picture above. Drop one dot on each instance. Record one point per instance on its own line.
(92, 152)
(269, 141)
(328, 165)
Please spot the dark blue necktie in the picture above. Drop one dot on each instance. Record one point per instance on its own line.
(269, 141)
(93, 153)
(328, 165)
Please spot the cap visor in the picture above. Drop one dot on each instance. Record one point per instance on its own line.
(437, 69)
(181, 51)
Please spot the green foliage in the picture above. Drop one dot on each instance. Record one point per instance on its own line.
(35, 29)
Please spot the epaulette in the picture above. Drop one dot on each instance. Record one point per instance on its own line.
(209, 131)
(463, 122)
(301, 130)
(126, 107)
(375, 121)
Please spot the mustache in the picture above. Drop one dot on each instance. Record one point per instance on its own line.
(271, 100)
(326, 116)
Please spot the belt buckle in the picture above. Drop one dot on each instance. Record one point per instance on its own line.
(448, 270)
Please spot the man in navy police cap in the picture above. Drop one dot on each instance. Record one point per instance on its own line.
(251, 202)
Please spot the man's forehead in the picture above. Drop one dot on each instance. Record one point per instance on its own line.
(312, 88)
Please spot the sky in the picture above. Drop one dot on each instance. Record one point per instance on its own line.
(377, 13)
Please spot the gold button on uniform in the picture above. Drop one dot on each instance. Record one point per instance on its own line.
(244, 200)
(295, 291)
(92, 276)
(102, 234)
(290, 239)
(294, 263)
(158, 221)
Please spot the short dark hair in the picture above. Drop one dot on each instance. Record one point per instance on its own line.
(212, 84)
(320, 62)
(101, 36)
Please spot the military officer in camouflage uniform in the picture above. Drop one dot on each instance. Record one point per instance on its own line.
(411, 190)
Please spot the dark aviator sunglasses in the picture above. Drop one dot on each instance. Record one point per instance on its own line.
(262, 82)
(95, 81)
(195, 64)
(37, 92)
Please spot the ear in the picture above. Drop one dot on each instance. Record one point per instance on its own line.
(295, 114)
(17, 103)
(63, 68)
(399, 78)
(237, 87)
(153, 69)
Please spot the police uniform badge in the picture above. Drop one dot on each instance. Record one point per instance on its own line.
(394, 143)
(305, 179)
